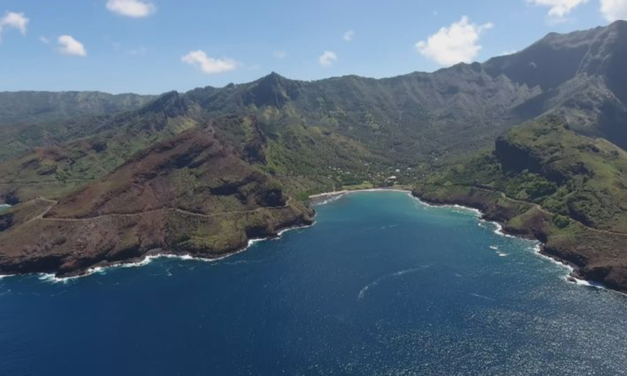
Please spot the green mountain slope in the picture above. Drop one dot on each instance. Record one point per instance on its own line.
(40, 106)
(404, 118)
(53, 171)
(33, 119)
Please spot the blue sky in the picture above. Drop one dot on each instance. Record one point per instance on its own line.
(152, 46)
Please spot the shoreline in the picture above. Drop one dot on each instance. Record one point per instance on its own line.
(326, 197)
(151, 256)
(346, 191)
(573, 275)
(156, 254)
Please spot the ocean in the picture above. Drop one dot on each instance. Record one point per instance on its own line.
(381, 285)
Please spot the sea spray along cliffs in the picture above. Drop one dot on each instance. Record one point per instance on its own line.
(535, 139)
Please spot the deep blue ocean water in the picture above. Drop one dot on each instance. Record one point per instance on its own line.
(381, 285)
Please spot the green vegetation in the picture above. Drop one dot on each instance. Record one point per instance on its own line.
(31, 119)
(545, 163)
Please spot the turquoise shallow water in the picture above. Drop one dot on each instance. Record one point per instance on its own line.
(381, 285)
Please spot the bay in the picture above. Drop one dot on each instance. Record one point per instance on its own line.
(381, 285)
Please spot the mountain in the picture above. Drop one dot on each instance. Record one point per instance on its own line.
(42, 106)
(581, 77)
(29, 119)
(273, 142)
(98, 148)
(578, 76)
(189, 194)
(388, 124)
(404, 118)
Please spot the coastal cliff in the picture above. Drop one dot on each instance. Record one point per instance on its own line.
(544, 182)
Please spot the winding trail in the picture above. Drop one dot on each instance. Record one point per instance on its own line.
(543, 210)
(42, 216)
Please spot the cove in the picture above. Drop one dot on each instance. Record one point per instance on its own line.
(381, 285)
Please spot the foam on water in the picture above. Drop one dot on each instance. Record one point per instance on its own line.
(537, 250)
(482, 296)
(362, 293)
(498, 251)
(146, 260)
(499, 230)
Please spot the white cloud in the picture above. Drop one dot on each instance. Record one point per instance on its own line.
(614, 10)
(70, 46)
(14, 20)
(559, 8)
(327, 58)
(279, 54)
(457, 43)
(208, 65)
(44, 40)
(348, 36)
(131, 8)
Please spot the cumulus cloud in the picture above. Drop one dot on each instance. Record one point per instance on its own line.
(614, 10)
(14, 20)
(208, 65)
(70, 46)
(279, 54)
(131, 8)
(327, 58)
(457, 43)
(559, 8)
(348, 36)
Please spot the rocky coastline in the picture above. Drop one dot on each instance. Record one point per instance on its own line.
(583, 251)
(68, 265)
(536, 224)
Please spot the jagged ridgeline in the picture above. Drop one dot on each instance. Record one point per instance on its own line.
(349, 123)
(297, 138)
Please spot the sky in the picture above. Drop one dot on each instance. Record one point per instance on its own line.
(153, 46)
